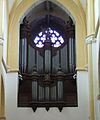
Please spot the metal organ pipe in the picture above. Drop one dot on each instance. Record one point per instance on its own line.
(25, 30)
(47, 61)
(71, 55)
(24, 54)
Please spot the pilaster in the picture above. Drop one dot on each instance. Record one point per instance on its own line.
(89, 40)
(1, 53)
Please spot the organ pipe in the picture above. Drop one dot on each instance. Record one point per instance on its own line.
(24, 30)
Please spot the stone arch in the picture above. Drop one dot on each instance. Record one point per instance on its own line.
(21, 8)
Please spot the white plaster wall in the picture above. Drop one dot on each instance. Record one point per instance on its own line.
(96, 62)
(97, 10)
(10, 88)
(69, 113)
(96, 79)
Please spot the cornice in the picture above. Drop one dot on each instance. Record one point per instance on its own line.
(82, 69)
(7, 68)
(90, 39)
(1, 41)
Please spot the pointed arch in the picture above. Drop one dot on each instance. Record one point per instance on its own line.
(21, 8)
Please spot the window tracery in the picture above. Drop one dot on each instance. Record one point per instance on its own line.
(56, 39)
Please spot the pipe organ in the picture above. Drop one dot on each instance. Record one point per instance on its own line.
(47, 69)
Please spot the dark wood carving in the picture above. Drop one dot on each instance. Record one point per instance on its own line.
(45, 80)
(69, 98)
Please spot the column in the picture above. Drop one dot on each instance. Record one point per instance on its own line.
(1, 32)
(89, 41)
(1, 51)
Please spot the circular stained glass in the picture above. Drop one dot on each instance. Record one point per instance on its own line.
(56, 39)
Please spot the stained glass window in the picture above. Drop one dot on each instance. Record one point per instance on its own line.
(56, 38)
